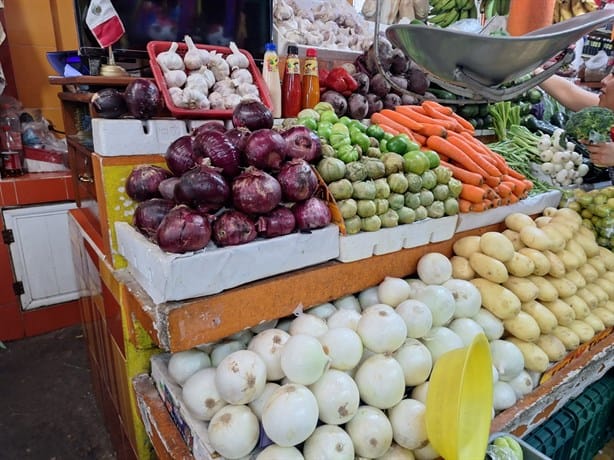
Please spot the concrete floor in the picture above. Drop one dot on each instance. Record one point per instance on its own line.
(48, 410)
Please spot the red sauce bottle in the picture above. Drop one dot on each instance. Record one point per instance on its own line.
(291, 86)
(311, 80)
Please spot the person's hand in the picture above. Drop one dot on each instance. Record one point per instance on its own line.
(602, 154)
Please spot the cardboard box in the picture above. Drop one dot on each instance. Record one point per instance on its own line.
(166, 276)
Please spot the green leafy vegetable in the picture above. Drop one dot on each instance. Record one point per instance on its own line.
(591, 124)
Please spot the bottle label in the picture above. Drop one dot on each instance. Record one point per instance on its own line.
(293, 65)
(272, 63)
(311, 67)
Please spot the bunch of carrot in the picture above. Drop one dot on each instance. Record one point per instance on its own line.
(488, 181)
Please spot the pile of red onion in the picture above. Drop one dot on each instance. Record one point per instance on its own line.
(230, 186)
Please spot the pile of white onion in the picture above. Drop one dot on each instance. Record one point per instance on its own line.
(334, 380)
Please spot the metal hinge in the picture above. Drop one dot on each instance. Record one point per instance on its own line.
(7, 236)
(18, 288)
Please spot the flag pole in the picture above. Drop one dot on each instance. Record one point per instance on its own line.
(111, 69)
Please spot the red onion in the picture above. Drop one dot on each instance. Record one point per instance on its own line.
(143, 180)
(252, 114)
(223, 154)
(280, 221)
(203, 185)
(181, 156)
(148, 215)
(183, 230)
(167, 188)
(265, 149)
(311, 214)
(109, 103)
(301, 142)
(143, 98)
(232, 228)
(209, 125)
(255, 192)
(238, 137)
(297, 179)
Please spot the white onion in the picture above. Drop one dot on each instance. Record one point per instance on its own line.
(264, 325)
(324, 310)
(440, 340)
(200, 395)
(493, 326)
(328, 442)
(308, 324)
(343, 346)
(240, 377)
(370, 431)
(381, 329)
(507, 358)
(275, 452)
(380, 381)
(522, 384)
(434, 268)
(440, 301)
(290, 415)
(268, 345)
(419, 392)
(426, 453)
(242, 336)
(303, 359)
(337, 396)
(415, 285)
(183, 364)
(467, 297)
(503, 396)
(495, 374)
(368, 297)
(535, 377)
(348, 302)
(415, 360)
(233, 431)
(417, 316)
(392, 291)
(466, 328)
(408, 424)
(397, 452)
(223, 349)
(343, 318)
(257, 405)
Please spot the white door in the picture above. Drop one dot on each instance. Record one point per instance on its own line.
(42, 254)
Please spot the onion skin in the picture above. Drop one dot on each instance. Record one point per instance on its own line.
(143, 98)
(233, 228)
(255, 192)
(149, 214)
(223, 154)
(209, 126)
(203, 187)
(183, 230)
(181, 155)
(280, 221)
(297, 179)
(302, 143)
(265, 149)
(252, 114)
(311, 214)
(109, 103)
(238, 137)
(143, 181)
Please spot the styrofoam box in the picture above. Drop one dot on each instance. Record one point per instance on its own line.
(532, 205)
(366, 244)
(166, 276)
(114, 137)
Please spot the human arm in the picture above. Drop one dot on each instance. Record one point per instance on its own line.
(569, 94)
(602, 154)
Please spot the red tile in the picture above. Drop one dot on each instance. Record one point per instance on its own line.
(51, 318)
(11, 322)
(9, 194)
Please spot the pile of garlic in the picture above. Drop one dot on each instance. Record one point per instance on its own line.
(204, 79)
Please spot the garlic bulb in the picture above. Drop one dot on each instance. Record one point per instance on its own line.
(195, 99)
(237, 59)
(192, 58)
(173, 78)
(219, 67)
(198, 81)
(239, 76)
(248, 90)
(170, 58)
(216, 100)
(177, 97)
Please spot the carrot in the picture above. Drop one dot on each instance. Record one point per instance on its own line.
(389, 129)
(441, 145)
(433, 129)
(472, 193)
(419, 114)
(382, 119)
(401, 119)
(466, 177)
(464, 205)
(492, 181)
(481, 206)
(451, 123)
(437, 107)
(513, 173)
(464, 123)
(503, 190)
(519, 186)
(513, 199)
(489, 192)
(420, 139)
(479, 158)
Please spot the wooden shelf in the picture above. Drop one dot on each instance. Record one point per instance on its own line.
(90, 80)
(83, 97)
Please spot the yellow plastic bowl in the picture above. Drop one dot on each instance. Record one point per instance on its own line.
(459, 402)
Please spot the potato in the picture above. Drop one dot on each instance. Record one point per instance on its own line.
(557, 268)
(563, 312)
(550, 211)
(535, 238)
(541, 262)
(563, 230)
(602, 296)
(608, 258)
(466, 246)
(552, 346)
(520, 265)
(570, 225)
(557, 242)
(497, 246)
(610, 305)
(542, 221)
(500, 301)
(587, 295)
(607, 286)
(516, 221)
(544, 317)
(523, 288)
(577, 250)
(461, 269)
(568, 215)
(488, 267)
(569, 259)
(514, 237)
(593, 321)
(607, 276)
(597, 264)
(579, 306)
(590, 246)
(535, 359)
(587, 233)
(605, 315)
(563, 286)
(576, 278)
(523, 327)
(584, 331)
(569, 338)
(547, 292)
(589, 273)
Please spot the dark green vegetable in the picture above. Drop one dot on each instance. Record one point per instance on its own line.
(591, 124)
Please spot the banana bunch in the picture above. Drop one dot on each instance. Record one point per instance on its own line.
(445, 12)
(567, 9)
(490, 8)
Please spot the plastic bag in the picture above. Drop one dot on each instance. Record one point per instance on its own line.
(598, 62)
(36, 133)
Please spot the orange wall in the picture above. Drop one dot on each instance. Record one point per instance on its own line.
(33, 28)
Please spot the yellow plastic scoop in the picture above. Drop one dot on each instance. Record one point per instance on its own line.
(459, 402)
